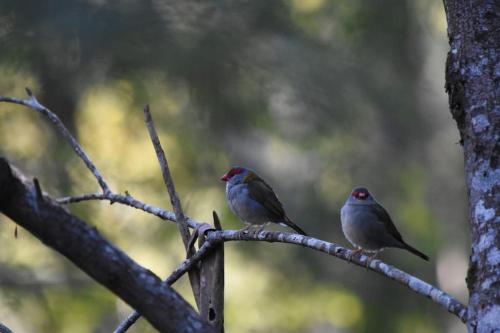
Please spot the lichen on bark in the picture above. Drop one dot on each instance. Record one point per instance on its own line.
(472, 83)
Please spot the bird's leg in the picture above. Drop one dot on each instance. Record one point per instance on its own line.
(370, 258)
(260, 228)
(355, 252)
(246, 228)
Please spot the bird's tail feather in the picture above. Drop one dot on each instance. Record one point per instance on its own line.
(292, 225)
(415, 251)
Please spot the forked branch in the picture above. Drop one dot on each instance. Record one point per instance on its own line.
(215, 237)
(92, 253)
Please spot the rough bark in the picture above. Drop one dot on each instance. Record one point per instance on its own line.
(85, 247)
(212, 284)
(472, 83)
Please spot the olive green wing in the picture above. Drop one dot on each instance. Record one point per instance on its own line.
(261, 192)
(384, 218)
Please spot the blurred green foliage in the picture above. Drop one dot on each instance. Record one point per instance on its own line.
(317, 95)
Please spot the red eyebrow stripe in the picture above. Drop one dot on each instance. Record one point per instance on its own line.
(235, 171)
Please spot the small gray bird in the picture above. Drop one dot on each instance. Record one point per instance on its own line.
(253, 201)
(368, 226)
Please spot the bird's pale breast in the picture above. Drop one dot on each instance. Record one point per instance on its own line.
(362, 228)
(243, 206)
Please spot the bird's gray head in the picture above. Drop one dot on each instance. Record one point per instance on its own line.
(360, 195)
(236, 175)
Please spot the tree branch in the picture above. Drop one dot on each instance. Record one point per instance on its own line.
(413, 283)
(86, 248)
(420, 287)
(33, 103)
(194, 275)
(167, 178)
(184, 267)
(128, 200)
(4, 329)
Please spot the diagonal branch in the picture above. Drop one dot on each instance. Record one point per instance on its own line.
(194, 275)
(184, 267)
(413, 283)
(167, 178)
(4, 329)
(33, 103)
(128, 200)
(91, 252)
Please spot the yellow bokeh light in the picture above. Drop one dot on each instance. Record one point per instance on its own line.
(307, 6)
(112, 129)
(20, 127)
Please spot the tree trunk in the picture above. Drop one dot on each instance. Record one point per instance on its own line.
(472, 83)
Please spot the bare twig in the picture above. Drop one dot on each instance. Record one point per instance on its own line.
(194, 275)
(190, 262)
(214, 237)
(184, 267)
(167, 178)
(128, 322)
(33, 103)
(127, 200)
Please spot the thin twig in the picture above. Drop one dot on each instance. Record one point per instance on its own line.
(167, 178)
(33, 103)
(127, 200)
(185, 266)
(194, 275)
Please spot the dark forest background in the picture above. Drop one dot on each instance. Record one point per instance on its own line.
(316, 95)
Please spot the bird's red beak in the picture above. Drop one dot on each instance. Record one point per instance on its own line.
(225, 178)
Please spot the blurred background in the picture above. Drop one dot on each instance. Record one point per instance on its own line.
(316, 95)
